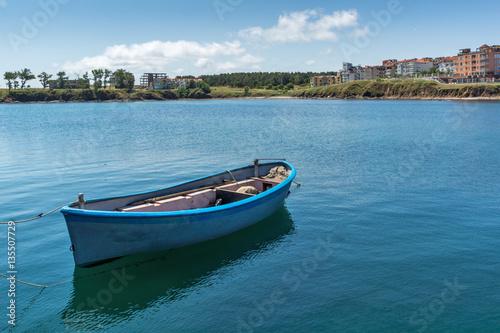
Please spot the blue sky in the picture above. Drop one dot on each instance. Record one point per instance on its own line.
(219, 36)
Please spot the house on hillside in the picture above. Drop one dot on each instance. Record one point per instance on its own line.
(325, 80)
(411, 67)
(352, 73)
(69, 84)
(147, 78)
(168, 83)
(373, 72)
(482, 65)
(446, 65)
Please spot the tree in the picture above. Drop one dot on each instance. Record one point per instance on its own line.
(107, 74)
(432, 70)
(289, 86)
(205, 88)
(10, 77)
(191, 84)
(25, 75)
(98, 74)
(182, 92)
(83, 83)
(62, 79)
(129, 81)
(246, 91)
(44, 79)
(120, 78)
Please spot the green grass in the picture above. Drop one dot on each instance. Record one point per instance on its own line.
(3, 93)
(228, 92)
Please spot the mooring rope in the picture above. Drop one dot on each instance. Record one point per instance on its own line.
(29, 284)
(232, 176)
(41, 214)
(93, 274)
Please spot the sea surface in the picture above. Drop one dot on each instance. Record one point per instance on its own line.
(396, 227)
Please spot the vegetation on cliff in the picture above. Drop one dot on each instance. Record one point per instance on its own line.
(401, 89)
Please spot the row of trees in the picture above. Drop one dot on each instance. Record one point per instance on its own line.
(101, 78)
(18, 80)
(125, 80)
(261, 79)
(24, 76)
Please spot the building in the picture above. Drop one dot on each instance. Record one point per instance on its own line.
(352, 73)
(374, 72)
(326, 80)
(390, 67)
(70, 84)
(160, 83)
(482, 65)
(389, 62)
(147, 78)
(181, 82)
(419, 65)
(411, 67)
(112, 79)
(446, 65)
(391, 70)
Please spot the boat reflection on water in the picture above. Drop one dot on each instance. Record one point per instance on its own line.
(133, 283)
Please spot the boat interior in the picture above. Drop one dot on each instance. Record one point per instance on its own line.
(205, 197)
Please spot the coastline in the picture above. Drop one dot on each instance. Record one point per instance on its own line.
(353, 90)
(463, 99)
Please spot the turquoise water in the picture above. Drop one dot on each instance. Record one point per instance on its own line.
(395, 227)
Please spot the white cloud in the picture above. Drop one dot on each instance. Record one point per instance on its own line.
(305, 26)
(250, 59)
(155, 55)
(359, 32)
(310, 62)
(226, 66)
(242, 62)
(203, 62)
(179, 71)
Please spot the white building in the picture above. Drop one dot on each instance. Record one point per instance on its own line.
(352, 73)
(412, 66)
(447, 65)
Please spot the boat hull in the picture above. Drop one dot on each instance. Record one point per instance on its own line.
(101, 235)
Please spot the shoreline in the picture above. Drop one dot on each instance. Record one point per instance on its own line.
(353, 90)
(472, 99)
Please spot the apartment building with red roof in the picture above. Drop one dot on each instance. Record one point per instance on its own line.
(324, 80)
(484, 63)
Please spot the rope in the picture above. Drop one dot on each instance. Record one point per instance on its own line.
(232, 176)
(93, 274)
(41, 215)
(29, 284)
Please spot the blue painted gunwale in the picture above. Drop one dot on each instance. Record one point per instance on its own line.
(150, 217)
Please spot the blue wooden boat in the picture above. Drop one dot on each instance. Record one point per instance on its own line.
(180, 215)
